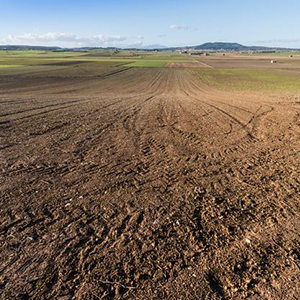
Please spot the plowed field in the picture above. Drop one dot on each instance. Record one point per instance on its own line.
(146, 183)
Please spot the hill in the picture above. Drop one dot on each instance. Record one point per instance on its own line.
(25, 47)
(211, 46)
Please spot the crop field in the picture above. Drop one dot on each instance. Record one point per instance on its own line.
(33, 58)
(149, 176)
(251, 79)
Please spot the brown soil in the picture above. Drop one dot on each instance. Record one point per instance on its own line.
(146, 184)
(251, 62)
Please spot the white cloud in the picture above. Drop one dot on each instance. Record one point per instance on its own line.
(182, 27)
(64, 39)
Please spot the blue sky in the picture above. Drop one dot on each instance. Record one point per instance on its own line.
(141, 23)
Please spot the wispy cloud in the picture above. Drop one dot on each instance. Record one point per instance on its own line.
(161, 35)
(181, 27)
(283, 41)
(64, 39)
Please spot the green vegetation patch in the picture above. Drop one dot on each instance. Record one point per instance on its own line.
(156, 61)
(147, 64)
(250, 79)
(23, 70)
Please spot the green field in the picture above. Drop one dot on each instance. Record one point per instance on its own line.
(140, 59)
(147, 63)
(259, 80)
(276, 54)
(89, 63)
(49, 62)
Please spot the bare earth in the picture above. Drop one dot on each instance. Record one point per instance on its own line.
(147, 184)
